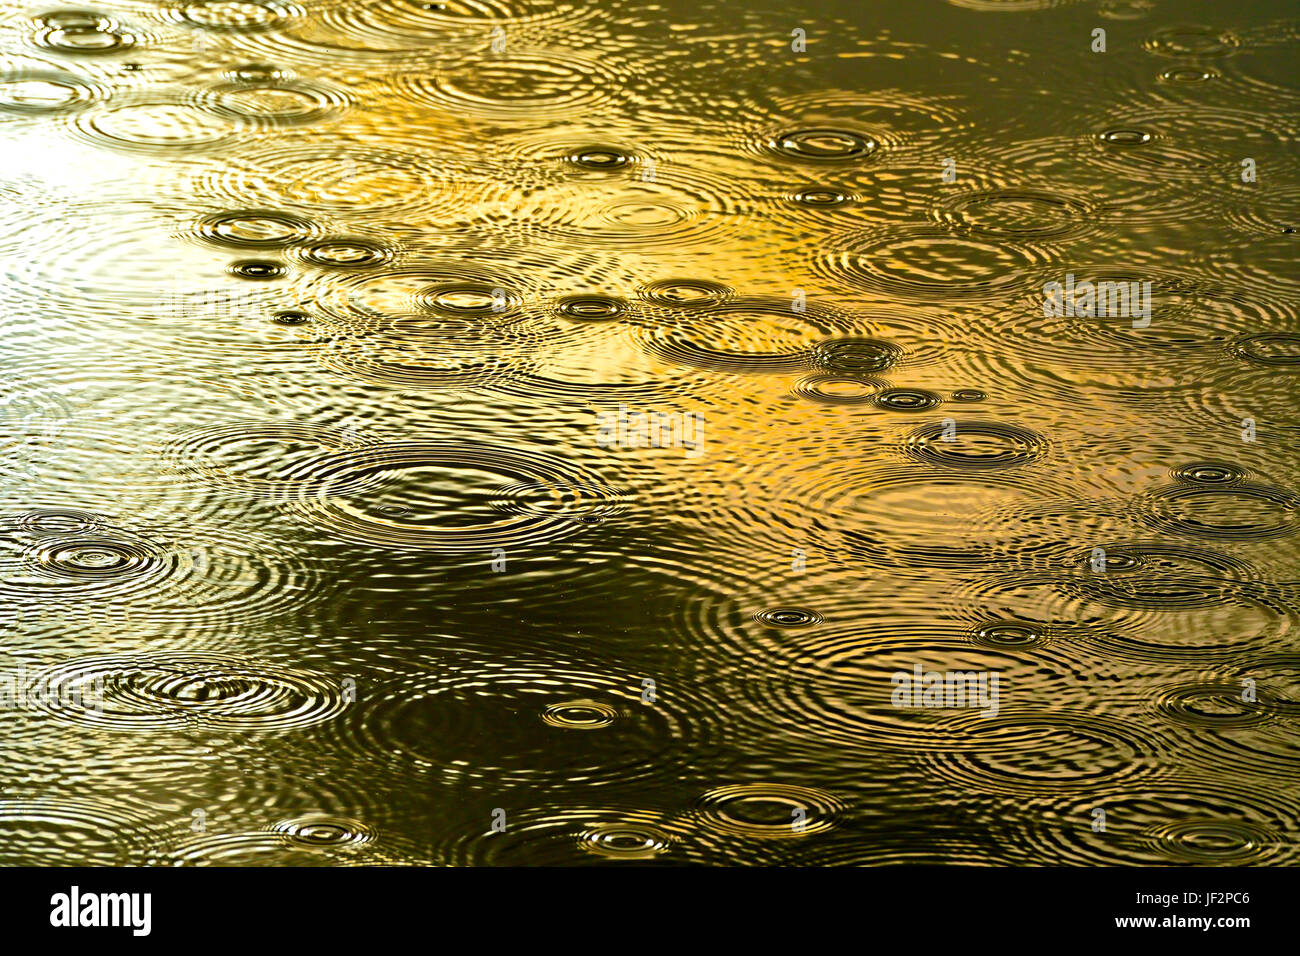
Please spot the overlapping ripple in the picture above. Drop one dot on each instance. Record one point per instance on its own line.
(315, 319)
(154, 692)
(469, 505)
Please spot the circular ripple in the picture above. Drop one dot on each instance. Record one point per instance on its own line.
(1027, 751)
(917, 265)
(591, 308)
(1191, 822)
(59, 521)
(234, 16)
(1212, 705)
(90, 557)
(571, 836)
(580, 714)
(1219, 842)
(1191, 41)
(845, 129)
(56, 831)
(42, 92)
(521, 723)
(319, 830)
(370, 180)
(1235, 623)
(906, 399)
(1265, 214)
(599, 158)
(1210, 473)
(424, 351)
(1156, 147)
(748, 334)
(159, 125)
(853, 356)
(822, 145)
(838, 389)
(787, 617)
(840, 683)
(515, 86)
(1189, 318)
(468, 298)
(202, 576)
(346, 252)
(311, 841)
(458, 291)
(80, 32)
(1013, 213)
(1242, 511)
(629, 840)
(1187, 74)
(278, 103)
(1009, 6)
(686, 293)
(255, 229)
(820, 197)
(584, 503)
(769, 810)
(976, 445)
(915, 516)
(259, 270)
(254, 457)
(441, 483)
(1009, 634)
(1159, 575)
(1273, 349)
(679, 207)
(104, 564)
(386, 26)
(172, 691)
(257, 73)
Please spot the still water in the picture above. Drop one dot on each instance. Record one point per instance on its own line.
(499, 432)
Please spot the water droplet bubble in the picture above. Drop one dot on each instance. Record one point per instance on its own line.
(260, 270)
(820, 197)
(1123, 137)
(787, 617)
(580, 714)
(600, 158)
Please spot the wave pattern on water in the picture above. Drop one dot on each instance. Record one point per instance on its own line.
(508, 432)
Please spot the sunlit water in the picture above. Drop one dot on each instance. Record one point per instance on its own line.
(507, 432)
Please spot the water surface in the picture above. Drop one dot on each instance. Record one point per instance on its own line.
(499, 432)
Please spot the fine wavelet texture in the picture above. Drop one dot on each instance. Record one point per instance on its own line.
(514, 432)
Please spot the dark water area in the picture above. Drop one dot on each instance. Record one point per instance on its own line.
(498, 432)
